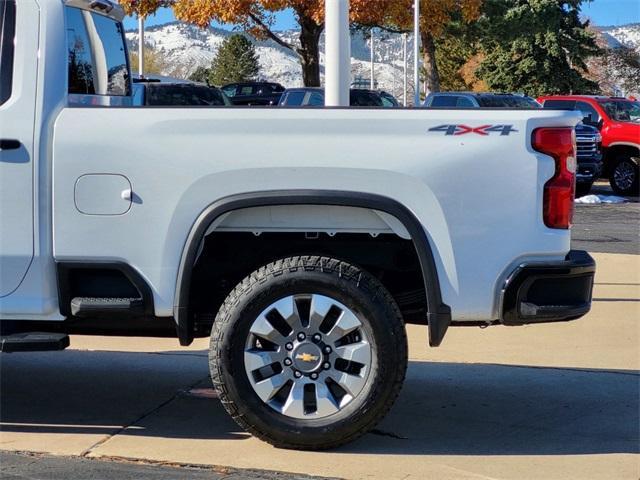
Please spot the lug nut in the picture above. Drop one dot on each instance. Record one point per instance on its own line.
(301, 336)
(287, 362)
(314, 376)
(289, 346)
(297, 374)
(326, 365)
(317, 337)
(327, 349)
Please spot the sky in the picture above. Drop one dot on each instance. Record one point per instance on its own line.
(601, 12)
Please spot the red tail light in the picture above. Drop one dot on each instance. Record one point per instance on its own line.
(559, 191)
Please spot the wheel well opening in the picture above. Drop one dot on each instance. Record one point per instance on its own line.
(227, 257)
(612, 154)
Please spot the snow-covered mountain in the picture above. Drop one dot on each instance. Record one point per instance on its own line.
(627, 35)
(185, 47)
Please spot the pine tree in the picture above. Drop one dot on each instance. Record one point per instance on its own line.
(200, 74)
(537, 47)
(236, 61)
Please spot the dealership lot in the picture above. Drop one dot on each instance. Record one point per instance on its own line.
(607, 228)
(550, 401)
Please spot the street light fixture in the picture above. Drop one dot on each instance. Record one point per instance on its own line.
(416, 52)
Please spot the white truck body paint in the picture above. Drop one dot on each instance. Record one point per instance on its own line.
(479, 198)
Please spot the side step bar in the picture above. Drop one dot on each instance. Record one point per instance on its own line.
(33, 342)
(91, 307)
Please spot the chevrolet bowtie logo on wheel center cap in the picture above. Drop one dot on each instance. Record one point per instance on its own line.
(307, 357)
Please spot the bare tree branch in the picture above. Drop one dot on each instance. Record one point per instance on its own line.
(265, 28)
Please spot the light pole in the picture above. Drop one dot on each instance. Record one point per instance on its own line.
(416, 52)
(337, 51)
(372, 81)
(404, 69)
(140, 45)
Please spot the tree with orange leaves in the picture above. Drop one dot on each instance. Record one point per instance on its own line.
(258, 17)
(143, 8)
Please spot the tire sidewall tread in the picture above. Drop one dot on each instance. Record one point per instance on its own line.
(258, 418)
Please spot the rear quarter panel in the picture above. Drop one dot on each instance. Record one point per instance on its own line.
(479, 197)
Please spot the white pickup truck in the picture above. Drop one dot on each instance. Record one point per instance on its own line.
(301, 240)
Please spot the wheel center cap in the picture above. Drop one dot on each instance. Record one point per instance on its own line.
(307, 357)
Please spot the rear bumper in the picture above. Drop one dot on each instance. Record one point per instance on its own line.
(540, 292)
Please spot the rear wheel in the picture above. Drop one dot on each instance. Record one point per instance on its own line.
(625, 178)
(308, 353)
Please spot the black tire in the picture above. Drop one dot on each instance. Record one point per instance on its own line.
(583, 189)
(345, 283)
(619, 179)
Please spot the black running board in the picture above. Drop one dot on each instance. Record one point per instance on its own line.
(33, 342)
(92, 307)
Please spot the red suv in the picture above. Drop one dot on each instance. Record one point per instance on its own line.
(618, 120)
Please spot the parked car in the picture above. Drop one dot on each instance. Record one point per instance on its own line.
(253, 93)
(479, 100)
(618, 120)
(314, 97)
(302, 242)
(166, 91)
(588, 138)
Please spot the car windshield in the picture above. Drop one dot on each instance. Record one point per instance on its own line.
(622, 110)
(183, 94)
(507, 101)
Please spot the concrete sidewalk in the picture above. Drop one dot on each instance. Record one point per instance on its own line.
(546, 401)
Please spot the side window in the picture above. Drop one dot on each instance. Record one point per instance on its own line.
(111, 46)
(294, 98)
(79, 48)
(591, 116)
(364, 99)
(97, 54)
(230, 91)
(7, 33)
(386, 102)
(560, 104)
(315, 99)
(444, 101)
(246, 90)
(464, 102)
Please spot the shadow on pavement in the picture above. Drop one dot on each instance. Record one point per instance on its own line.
(444, 408)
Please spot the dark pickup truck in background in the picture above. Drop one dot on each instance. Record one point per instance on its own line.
(162, 91)
(253, 93)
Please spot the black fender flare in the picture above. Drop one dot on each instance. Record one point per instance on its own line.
(438, 313)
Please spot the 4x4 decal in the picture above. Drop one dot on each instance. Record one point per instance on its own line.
(481, 130)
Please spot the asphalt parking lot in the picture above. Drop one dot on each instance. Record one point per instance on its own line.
(546, 401)
(607, 228)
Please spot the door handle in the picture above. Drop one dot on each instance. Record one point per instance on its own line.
(9, 144)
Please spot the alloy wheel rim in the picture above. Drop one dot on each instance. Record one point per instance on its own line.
(624, 175)
(308, 356)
